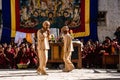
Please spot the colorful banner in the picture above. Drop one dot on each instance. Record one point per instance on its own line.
(31, 14)
(27, 16)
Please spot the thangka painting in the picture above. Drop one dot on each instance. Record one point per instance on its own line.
(58, 12)
(30, 15)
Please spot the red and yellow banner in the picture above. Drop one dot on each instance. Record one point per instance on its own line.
(27, 16)
(84, 29)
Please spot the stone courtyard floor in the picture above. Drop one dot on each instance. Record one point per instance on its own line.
(57, 74)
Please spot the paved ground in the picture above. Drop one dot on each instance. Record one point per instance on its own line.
(76, 74)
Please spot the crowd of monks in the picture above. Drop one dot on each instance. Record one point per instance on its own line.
(11, 54)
